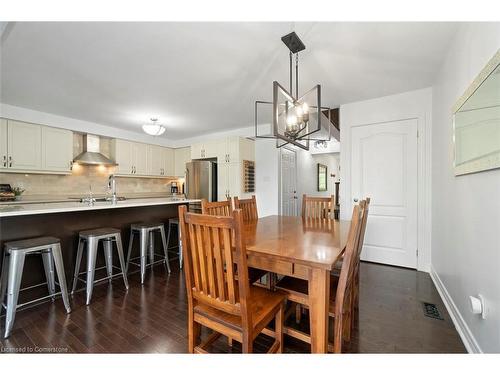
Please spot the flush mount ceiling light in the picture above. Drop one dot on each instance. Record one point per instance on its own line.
(153, 128)
(295, 120)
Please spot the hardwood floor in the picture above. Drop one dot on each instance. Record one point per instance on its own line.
(152, 319)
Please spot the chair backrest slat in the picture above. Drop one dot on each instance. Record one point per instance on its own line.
(317, 207)
(248, 208)
(207, 245)
(350, 266)
(223, 208)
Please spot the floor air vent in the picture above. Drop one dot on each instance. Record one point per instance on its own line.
(431, 311)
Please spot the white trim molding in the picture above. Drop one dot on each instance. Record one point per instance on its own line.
(461, 326)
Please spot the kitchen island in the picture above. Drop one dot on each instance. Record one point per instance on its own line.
(65, 220)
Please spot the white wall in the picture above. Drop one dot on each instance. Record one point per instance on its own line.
(307, 182)
(465, 209)
(409, 105)
(267, 177)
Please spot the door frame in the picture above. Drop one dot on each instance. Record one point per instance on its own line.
(280, 180)
(406, 106)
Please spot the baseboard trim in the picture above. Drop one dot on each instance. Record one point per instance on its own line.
(460, 325)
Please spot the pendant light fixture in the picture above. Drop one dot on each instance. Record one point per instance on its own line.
(153, 128)
(290, 118)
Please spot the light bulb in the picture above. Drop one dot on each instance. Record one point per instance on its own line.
(305, 108)
(299, 111)
(291, 120)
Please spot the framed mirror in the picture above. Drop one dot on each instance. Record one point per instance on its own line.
(476, 122)
(322, 177)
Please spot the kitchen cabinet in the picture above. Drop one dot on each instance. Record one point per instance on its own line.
(132, 158)
(122, 151)
(161, 161)
(168, 161)
(229, 180)
(3, 144)
(24, 145)
(235, 149)
(181, 157)
(57, 149)
(156, 163)
(205, 150)
(140, 158)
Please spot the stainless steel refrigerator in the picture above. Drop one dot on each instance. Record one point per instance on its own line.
(201, 180)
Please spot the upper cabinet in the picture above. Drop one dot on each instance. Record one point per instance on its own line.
(142, 160)
(181, 157)
(34, 148)
(161, 161)
(3, 144)
(122, 151)
(205, 150)
(57, 149)
(24, 145)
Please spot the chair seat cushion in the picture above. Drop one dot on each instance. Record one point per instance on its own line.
(262, 303)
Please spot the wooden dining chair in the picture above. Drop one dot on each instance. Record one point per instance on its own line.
(317, 207)
(248, 208)
(223, 208)
(341, 288)
(216, 300)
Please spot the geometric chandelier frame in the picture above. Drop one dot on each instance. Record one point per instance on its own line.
(294, 120)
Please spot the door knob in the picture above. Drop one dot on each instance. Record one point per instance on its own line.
(355, 200)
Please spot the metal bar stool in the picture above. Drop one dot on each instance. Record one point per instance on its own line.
(146, 238)
(12, 271)
(92, 238)
(175, 221)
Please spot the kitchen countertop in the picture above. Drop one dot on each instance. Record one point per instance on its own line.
(21, 208)
(41, 198)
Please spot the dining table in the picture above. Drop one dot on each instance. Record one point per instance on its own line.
(304, 248)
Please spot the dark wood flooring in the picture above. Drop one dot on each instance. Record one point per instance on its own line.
(152, 319)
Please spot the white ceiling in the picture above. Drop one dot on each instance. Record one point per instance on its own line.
(205, 77)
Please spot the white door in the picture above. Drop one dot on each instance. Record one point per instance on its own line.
(24, 145)
(57, 149)
(384, 168)
(289, 196)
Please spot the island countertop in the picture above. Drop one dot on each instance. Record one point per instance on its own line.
(74, 206)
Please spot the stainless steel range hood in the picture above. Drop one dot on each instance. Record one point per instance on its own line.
(91, 154)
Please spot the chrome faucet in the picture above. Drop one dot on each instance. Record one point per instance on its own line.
(112, 187)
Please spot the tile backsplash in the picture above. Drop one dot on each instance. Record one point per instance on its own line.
(80, 181)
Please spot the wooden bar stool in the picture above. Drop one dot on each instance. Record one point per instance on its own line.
(146, 234)
(91, 238)
(12, 271)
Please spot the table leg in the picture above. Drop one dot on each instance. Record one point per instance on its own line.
(319, 299)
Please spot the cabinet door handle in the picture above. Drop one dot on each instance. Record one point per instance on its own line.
(4, 161)
(10, 161)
